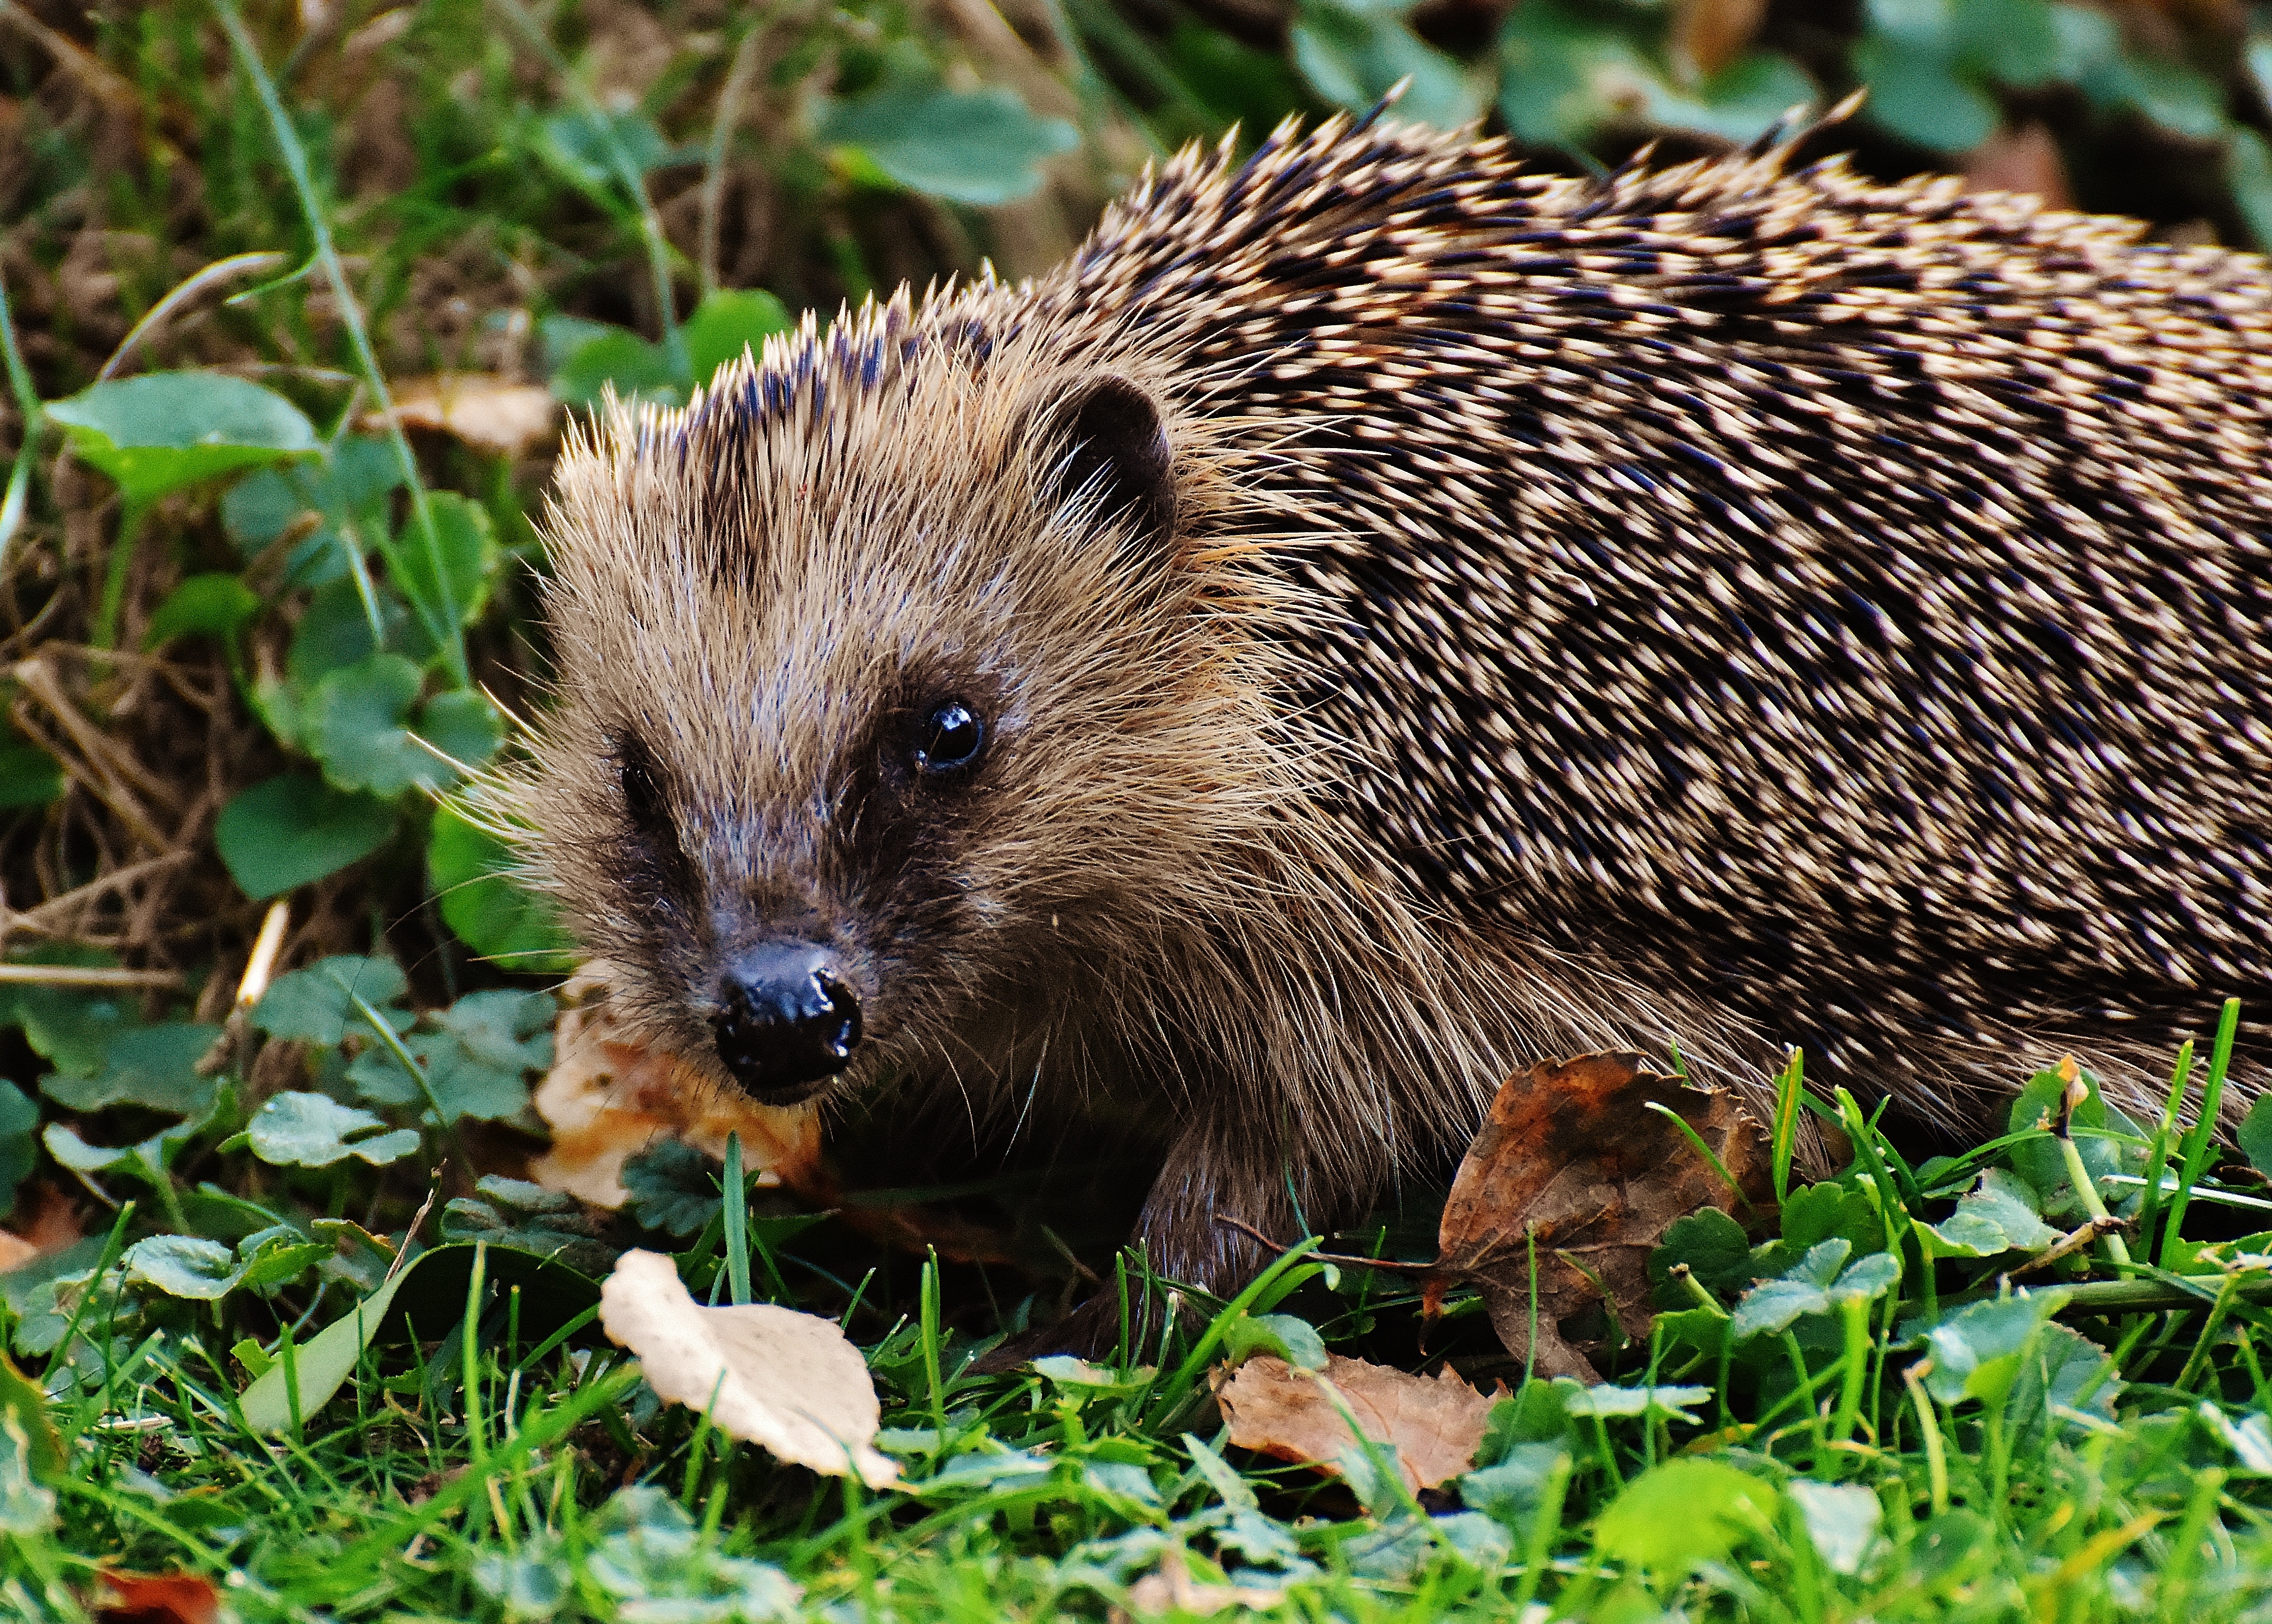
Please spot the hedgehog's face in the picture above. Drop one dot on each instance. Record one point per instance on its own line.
(881, 733)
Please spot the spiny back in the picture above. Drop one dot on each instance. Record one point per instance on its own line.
(1851, 602)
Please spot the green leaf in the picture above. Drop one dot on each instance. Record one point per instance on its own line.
(2248, 170)
(277, 1257)
(314, 1130)
(1562, 74)
(1714, 1248)
(149, 1160)
(476, 1063)
(532, 1582)
(1234, 81)
(357, 725)
(1816, 1283)
(1605, 1402)
(1814, 1214)
(1514, 1491)
(25, 1405)
(317, 1005)
(28, 1509)
(2178, 98)
(1999, 1214)
(674, 1187)
(1914, 93)
(1353, 58)
(151, 1066)
(1842, 1520)
(334, 632)
(1744, 99)
(575, 143)
(726, 323)
(214, 605)
(492, 913)
(2062, 1363)
(348, 497)
(1683, 1513)
(511, 1213)
(2256, 1134)
(70, 1026)
(1977, 1353)
(2090, 45)
(183, 1265)
(464, 726)
(19, 1144)
(320, 1364)
(635, 369)
(162, 431)
(2014, 42)
(981, 146)
(1293, 1340)
(293, 829)
(29, 777)
(469, 557)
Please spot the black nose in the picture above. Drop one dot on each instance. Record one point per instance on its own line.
(785, 1022)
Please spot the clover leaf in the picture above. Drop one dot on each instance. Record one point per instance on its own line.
(314, 1130)
(317, 1005)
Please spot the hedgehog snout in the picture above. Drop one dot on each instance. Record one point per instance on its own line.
(786, 1022)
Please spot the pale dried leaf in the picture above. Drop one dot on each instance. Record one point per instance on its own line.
(1432, 1425)
(786, 1381)
(607, 1098)
(488, 412)
(1171, 1589)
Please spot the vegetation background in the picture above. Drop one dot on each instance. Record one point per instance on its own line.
(288, 298)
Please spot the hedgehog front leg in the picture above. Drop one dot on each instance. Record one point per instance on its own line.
(1219, 1168)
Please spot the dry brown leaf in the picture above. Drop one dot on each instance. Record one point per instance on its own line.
(1709, 35)
(1433, 1427)
(606, 1100)
(1171, 1589)
(1572, 1157)
(488, 412)
(158, 1599)
(2025, 160)
(786, 1381)
(46, 1223)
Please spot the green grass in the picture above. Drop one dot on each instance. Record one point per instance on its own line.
(1817, 1447)
(214, 657)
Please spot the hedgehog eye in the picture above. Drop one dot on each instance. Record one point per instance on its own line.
(948, 739)
(644, 805)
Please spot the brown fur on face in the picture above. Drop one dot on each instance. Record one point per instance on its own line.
(1711, 603)
(1132, 891)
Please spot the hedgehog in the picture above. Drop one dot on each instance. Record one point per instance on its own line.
(1380, 616)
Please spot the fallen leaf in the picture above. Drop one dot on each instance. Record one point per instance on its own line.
(52, 1224)
(785, 1381)
(1709, 35)
(489, 413)
(1171, 1589)
(1572, 1160)
(1432, 1426)
(606, 1098)
(2023, 159)
(158, 1599)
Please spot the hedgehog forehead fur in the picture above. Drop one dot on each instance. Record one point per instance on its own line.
(1720, 603)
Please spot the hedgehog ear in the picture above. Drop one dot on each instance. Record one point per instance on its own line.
(1103, 436)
